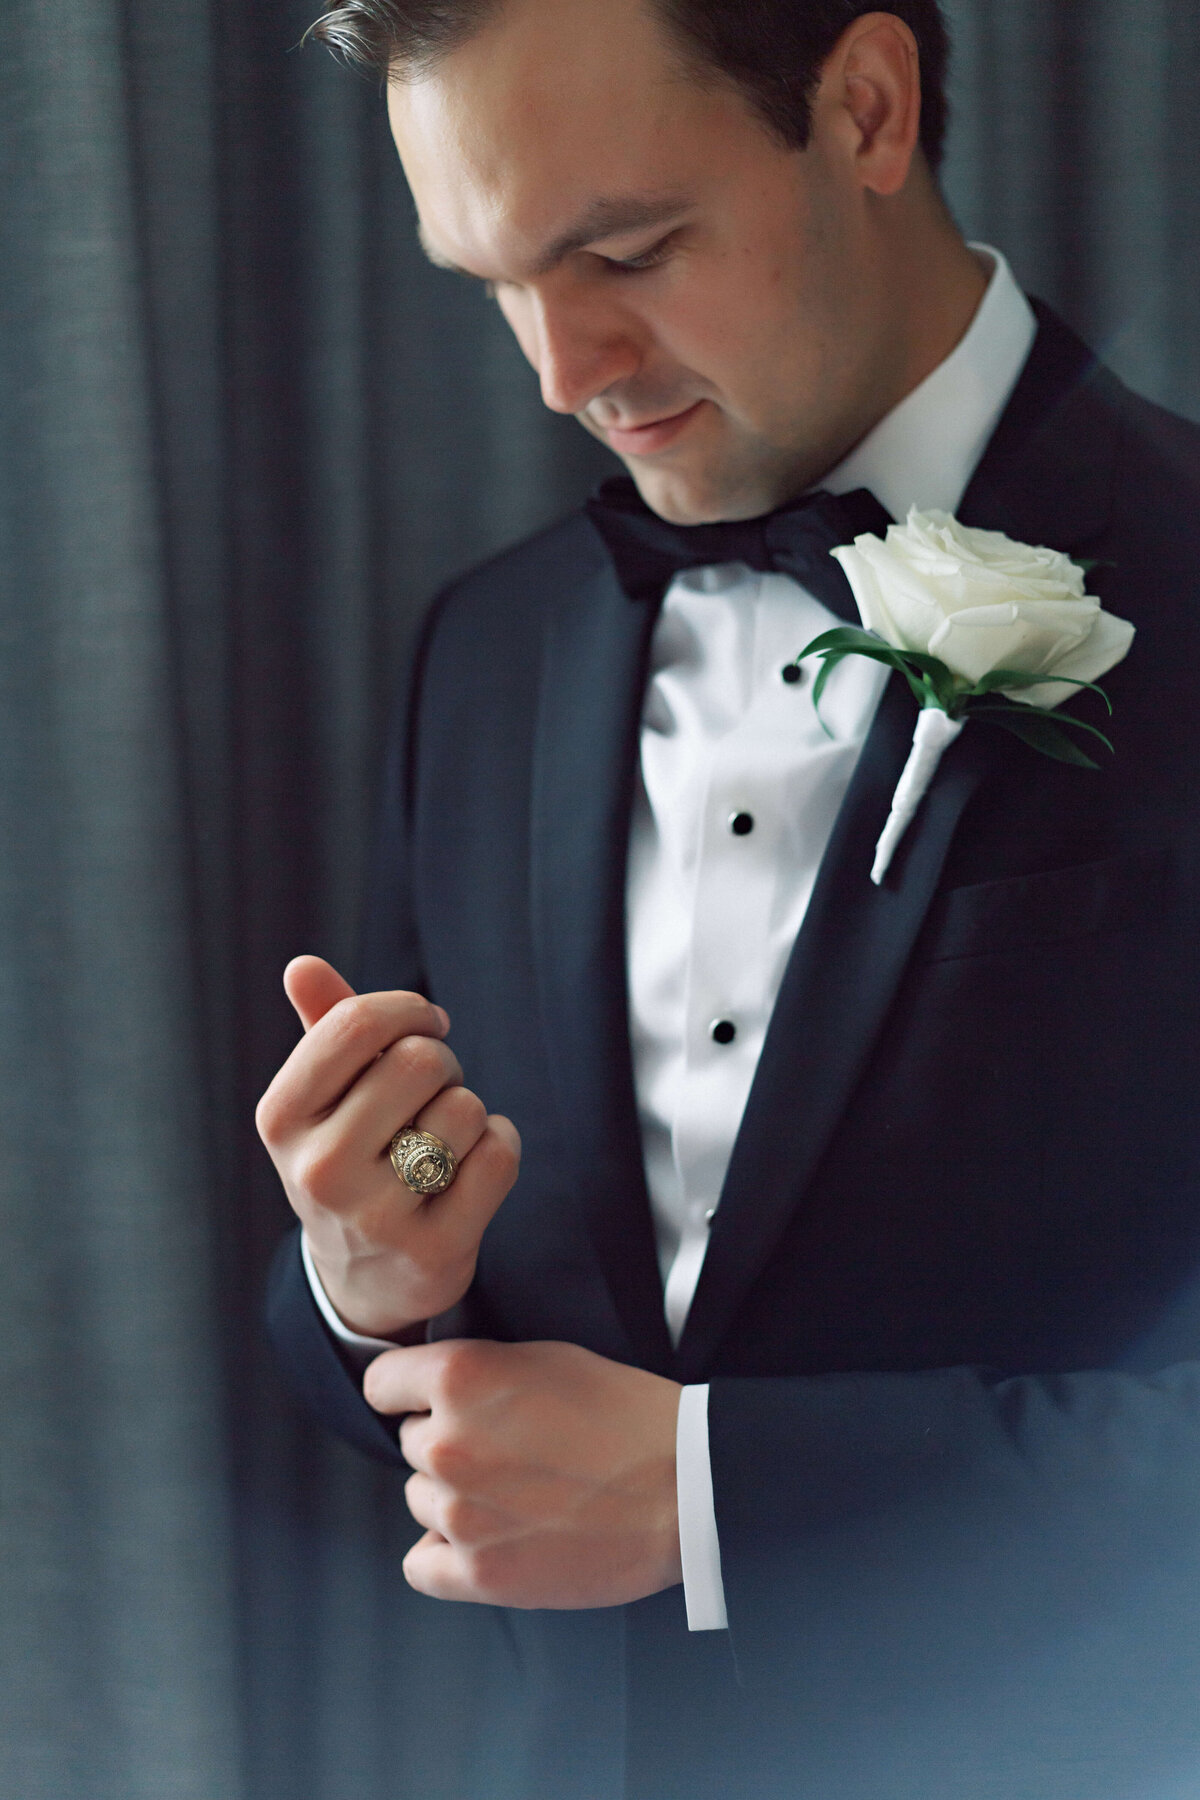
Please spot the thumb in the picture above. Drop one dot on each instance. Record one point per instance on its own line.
(313, 987)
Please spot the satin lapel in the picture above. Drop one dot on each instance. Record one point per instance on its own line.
(593, 674)
(1046, 478)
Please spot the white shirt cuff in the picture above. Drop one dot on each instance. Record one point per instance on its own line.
(361, 1350)
(699, 1549)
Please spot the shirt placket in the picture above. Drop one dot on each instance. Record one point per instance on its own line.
(726, 988)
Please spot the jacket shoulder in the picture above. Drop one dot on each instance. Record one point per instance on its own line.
(527, 577)
(1162, 448)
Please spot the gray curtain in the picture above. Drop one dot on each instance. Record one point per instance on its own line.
(244, 432)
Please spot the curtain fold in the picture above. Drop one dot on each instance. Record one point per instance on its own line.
(116, 1517)
(245, 431)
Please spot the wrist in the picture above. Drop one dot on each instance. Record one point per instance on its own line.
(364, 1301)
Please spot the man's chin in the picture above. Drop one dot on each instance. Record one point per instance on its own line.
(697, 497)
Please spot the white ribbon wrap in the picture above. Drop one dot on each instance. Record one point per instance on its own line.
(935, 732)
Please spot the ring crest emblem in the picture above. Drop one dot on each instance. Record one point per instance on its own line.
(423, 1162)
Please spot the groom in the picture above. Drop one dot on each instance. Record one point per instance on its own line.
(819, 1413)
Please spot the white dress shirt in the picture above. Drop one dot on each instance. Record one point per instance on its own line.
(738, 794)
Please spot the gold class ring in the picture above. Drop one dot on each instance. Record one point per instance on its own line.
(422, 1161)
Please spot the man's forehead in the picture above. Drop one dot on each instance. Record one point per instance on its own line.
(548, 129)
(601, 217)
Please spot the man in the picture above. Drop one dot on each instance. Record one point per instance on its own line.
(844, 1309)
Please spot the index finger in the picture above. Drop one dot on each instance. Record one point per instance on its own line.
(350, 1038)
(408, 1380)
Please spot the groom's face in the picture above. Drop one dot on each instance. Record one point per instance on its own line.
(705, 301)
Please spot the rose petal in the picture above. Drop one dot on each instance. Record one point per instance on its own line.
(1009, 636)
(937, 544)
(1108, 644)
(891, 600)
(868, 597)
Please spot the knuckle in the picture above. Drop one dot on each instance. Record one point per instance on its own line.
(268, 1117)
(501, 1161)
(488, 1568)
(461, 1520)
(421, 1060)
(353, 1015)
(471, 1106)
(351, 1028)
(447, 1460)
(461, 1371)
(317, 1170)
(468, 1111)
(410, 1000)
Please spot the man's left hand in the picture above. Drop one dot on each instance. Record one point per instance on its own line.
(544, 1475)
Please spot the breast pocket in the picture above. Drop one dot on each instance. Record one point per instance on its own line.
(1058, 905)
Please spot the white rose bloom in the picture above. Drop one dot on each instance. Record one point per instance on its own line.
(979, 601)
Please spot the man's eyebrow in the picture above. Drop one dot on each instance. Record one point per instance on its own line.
(603, 219)
(600, 219)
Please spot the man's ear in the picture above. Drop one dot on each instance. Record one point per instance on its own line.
(870, 96)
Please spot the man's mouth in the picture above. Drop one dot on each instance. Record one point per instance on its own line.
(655, 434)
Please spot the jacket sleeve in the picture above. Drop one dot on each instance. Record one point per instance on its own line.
(318, 1374)
(949, 1533)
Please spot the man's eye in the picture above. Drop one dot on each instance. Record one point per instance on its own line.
(634, 265)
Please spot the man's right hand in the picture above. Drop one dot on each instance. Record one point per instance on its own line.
(368, 1064)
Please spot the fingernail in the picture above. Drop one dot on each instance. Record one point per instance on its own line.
(444, 1016)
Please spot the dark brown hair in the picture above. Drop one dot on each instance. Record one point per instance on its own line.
(773, 50)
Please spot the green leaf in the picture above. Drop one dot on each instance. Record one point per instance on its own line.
(1057, 720)
(922, 691)
(931, 665)
(845, 638)
(1006, 678)
(1021, 678)
(1040, 733)
(831, 660)
(881, 653)
(931, 682)
(891, 658)
(946, 687)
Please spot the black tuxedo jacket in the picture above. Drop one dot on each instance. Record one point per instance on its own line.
(949, 1311)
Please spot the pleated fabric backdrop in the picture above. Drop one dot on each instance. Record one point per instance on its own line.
(244, 432)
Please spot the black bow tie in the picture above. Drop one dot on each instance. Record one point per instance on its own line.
(795, 540)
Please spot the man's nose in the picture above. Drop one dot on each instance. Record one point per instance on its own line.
(581, 349)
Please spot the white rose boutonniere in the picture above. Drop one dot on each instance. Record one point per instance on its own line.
(981, 627)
